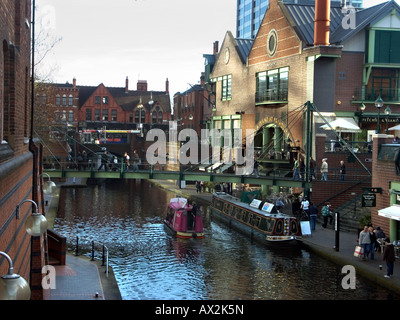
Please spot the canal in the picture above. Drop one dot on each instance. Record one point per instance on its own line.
(127, 216)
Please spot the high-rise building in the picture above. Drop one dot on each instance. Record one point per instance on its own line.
(250, 13)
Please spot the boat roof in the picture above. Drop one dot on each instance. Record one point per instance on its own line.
(266, 205)
(179, 203)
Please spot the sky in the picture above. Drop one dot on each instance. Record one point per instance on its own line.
(105, 41)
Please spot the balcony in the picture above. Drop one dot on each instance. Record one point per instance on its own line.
(272, 96)
(371, 94)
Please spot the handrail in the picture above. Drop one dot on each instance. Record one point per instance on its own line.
(105, 252)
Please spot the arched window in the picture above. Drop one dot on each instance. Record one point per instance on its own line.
(70, 100)
(140, 115)
(58, 101)
(64, 100)
(157, 115)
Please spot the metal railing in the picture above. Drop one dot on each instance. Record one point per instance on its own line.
(104, 254)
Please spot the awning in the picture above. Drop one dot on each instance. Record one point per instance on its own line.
(342, 125)
(392, 212)
(395, 127)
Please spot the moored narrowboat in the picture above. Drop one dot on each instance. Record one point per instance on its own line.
(258, 219)
(184, 220)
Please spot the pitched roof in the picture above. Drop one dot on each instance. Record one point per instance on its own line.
(301, 17)
(243, 48)
(127, 100)
(364, 18)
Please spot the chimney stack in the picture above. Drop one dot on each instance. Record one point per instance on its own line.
(322, 22)
(215, 51)
(142, 85)
(74, 83)
(167, 86)
(126, 85)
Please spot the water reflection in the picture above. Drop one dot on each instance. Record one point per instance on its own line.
(127, 216)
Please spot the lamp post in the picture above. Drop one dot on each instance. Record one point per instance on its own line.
(388, 112)
(12, 285)
(36, 224)
(379, 105)
(140, 107)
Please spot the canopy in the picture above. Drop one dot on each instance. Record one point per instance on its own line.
(392, 212)
(342, 125)
(395, 127)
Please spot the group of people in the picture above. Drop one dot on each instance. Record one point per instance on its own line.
(105, 161)
(368, 240)
(299, 169)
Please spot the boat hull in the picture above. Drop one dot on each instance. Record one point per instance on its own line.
(182, 235)
(269, 238)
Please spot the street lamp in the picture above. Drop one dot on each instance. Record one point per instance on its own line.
(48, 186)
(140, 107)
(379, 105)
(388, 112)
(36, 224)
(12, 285)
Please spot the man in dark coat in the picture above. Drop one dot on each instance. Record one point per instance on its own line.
(389, 257)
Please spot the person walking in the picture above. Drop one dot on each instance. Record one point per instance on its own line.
(104, 161)
(342, 170)
(126, 161)
(136, 160)
(324, 169)
(389, 257)
(296, 174)
(302, 168)
(326, 213)
(305, 204)
(255, 169)
(372, 236)
(364, 241)
(313, 210)
(313, 165)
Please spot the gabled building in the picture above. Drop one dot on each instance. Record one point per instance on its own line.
(341, 61)
(79, 114)
(294, 59)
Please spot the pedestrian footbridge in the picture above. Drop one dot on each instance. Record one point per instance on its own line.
(273, 179)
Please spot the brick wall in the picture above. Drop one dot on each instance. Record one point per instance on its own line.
(384, 173)
(18, 167)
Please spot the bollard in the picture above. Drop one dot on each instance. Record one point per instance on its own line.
(92, 251)
(77, 246)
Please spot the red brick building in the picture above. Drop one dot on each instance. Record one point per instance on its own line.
(263, 84)
(82, 117)
(20, 153)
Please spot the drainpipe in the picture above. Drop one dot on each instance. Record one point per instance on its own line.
(32, 147)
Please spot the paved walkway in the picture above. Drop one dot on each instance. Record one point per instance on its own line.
(81, 279)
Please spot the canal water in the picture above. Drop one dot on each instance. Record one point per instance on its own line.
(127, 216)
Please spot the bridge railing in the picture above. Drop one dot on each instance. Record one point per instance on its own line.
(352, 174)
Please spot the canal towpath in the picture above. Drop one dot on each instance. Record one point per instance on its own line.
(81, 278)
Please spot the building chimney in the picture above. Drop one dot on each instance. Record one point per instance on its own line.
(215, 49)
(167, 86)
(142, 85)
(74, 83)
(202, 78)
(322, 22)
(126, 84)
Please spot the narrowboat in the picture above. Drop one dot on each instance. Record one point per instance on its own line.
(260, 220)
(183, 220)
